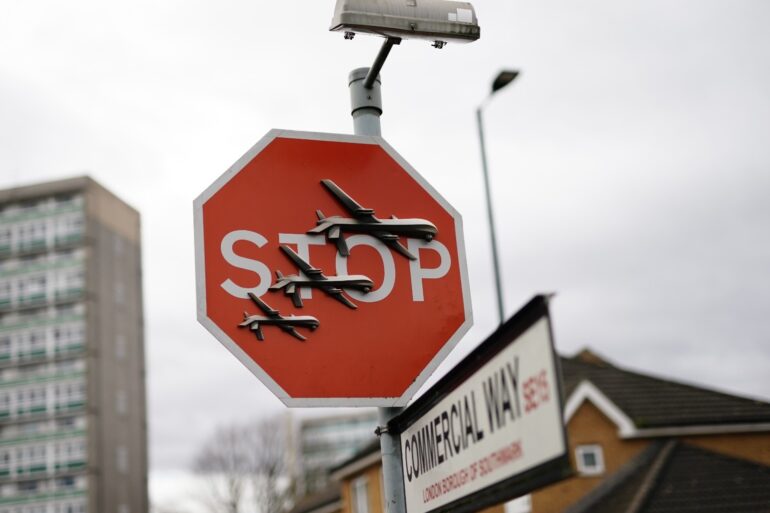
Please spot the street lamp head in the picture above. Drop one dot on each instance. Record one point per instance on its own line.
(439, 21)
(504, 78)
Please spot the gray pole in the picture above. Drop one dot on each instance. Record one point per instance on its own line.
(366, 108)
(492, 235)
(365, 104)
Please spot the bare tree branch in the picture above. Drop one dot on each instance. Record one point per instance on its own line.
(247, 464)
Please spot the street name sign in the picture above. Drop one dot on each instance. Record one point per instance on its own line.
(492, 429)
(331, 269)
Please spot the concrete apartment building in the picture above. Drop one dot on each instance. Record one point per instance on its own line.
(326, 441)
(73, 430)
(638, 444)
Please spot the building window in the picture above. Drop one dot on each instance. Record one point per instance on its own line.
(118, 244)
(65, 423)
(590, 459)
(120, 346)
(5, 239)
(65, 483)
(27, 486)
(122, 459)
(360, 501)
(120, 293)
(121, 402)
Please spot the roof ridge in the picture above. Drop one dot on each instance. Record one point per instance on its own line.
(651, 478)
(591, 357)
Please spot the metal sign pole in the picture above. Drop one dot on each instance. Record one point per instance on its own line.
(366, 108)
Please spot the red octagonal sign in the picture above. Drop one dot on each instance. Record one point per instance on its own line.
(331, 269)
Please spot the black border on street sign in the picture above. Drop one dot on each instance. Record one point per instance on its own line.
(546, 473)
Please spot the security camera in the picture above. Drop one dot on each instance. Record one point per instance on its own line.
(438, 21)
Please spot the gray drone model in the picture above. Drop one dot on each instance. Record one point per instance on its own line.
(315, 278)
(364, 221)
(273, 318)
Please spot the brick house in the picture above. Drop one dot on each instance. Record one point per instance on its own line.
(638, 444)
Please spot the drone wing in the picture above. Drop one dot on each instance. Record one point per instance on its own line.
(391, 240)
(400, 248)
(310, 271)
(356, 210)
(270, 312)
(337, 294)
(293, 332)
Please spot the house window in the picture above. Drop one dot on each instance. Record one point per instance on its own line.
(590, 459)
(360, 495)
(519, 505)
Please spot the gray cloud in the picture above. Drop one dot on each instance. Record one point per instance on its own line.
(629, 164)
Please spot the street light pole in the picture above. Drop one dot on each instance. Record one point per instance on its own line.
(440, 22)
(366, 109)
(501, 80)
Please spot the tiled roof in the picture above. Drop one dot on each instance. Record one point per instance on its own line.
(700, 480)
(654, 402)
(680, 478)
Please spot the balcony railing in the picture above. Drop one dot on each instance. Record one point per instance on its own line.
(71, 405)
(25, 497)
(31, 246)
(15, 438)
(41, 299)
(68, 240)
(31, 300)
(63, 351)
(35, 468)
(31, 410)
(74, 347)
(31, 354)
(39, 211)
(68, 294)
(69, 466)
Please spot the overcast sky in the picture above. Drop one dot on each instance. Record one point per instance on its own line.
(630, 165)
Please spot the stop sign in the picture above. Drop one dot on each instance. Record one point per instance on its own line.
(331, 269)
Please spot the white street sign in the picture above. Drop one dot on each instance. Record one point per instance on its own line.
(502, 422)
